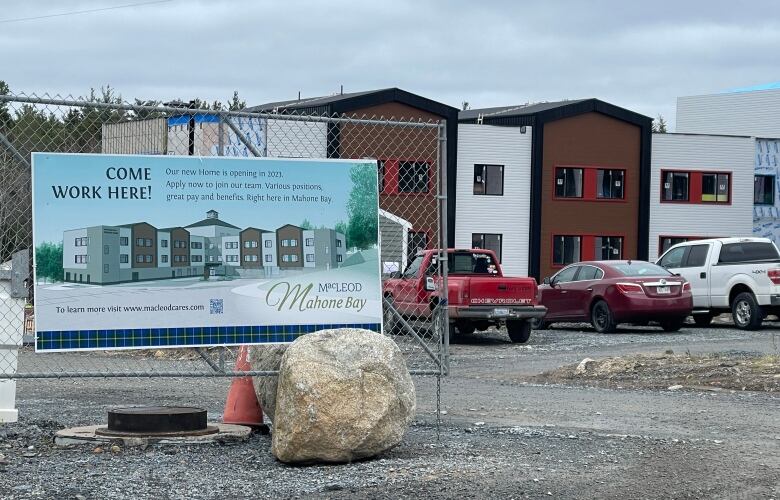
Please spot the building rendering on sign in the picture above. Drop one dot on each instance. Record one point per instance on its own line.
(106, 255)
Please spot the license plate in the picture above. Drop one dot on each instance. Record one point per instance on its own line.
(500, 312)
(661, 290)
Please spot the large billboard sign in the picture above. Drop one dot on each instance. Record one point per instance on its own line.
(149, 251)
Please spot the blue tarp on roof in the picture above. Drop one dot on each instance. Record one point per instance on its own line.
(763, 86)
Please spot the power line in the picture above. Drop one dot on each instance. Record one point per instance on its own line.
(76, 12)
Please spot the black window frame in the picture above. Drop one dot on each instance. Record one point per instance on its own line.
(602, 172)
(773, 183)
(673, 173)
(563, 251)
(483, 171)
(407, 182)
(560, 188)
(716, 194)
(482, 237)
(610, 246)
(411, 250)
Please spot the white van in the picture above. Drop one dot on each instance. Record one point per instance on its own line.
(741, 275)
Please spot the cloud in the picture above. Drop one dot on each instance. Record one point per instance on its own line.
(638, 55)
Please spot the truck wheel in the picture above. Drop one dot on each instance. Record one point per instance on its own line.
(672, 325)
(746, 312)
(519, 331)
(389, 319)
(703, 320)
(601, 318)
(465, 327)
(539, 324)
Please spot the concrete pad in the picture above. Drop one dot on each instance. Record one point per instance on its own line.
(228, 433)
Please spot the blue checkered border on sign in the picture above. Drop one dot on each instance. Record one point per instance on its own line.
(181, 337)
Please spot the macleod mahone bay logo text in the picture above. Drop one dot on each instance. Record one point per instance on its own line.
(284, 295)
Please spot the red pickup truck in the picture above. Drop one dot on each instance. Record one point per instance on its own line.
(478, 295)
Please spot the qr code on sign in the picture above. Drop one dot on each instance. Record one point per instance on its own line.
(216, 306)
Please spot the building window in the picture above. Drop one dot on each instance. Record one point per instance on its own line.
(293, 243)
(294, 258)
(250, 244)
(164, 243)
(231, 258)
(568, 182)
(566, 249)
(381, 171)
(417, 241)
(413, 177)
(764, 190)
(489, 180)
(309, 242)
(164, 259)
(148, 259)
(82, 259)
(715, 188)
(675, 186)
(196, 258)
(609, 247)
(105, 268)
(338, 243)
(339, 258)
(231, 245)
(106, 250)
(309, 257)
(609, 184)
(123, 241)
(139, 259)
(487, 241)
(269, 243)
(268, 258)
(147, 242)
(125, 258)
(81, 242)
(196, 245)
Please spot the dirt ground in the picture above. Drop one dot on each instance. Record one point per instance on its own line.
(506, 431)
(740, 372)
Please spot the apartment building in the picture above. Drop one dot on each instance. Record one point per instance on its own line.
(700, 188)
(548, 184)
(106, 255)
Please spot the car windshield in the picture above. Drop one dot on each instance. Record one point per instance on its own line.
(639, 269)
(470, 263)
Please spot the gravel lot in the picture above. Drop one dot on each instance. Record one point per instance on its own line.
(503, 435)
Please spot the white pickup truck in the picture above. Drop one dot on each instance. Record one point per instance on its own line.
(741, 275)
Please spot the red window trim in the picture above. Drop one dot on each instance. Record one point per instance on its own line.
(694, 187)
(587, 246)
(392, 181)
(589, 184)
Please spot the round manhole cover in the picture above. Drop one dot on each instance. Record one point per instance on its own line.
(157, 420)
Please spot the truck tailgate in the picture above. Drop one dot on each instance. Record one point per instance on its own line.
(492, 290)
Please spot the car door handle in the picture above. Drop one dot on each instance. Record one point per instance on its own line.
(703, 275)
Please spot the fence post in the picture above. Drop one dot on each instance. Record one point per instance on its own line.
(445, 361)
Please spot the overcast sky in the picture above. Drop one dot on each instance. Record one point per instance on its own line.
(640, 55)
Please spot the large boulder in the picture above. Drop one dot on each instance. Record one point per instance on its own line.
(342, 395)
(266, 358)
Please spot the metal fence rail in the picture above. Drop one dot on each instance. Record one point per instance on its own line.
(411, 161)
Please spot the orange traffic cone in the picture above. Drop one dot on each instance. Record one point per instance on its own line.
(242, 406)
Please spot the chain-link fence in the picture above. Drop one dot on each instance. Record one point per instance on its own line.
(410, 156)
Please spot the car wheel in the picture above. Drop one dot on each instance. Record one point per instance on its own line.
(672, 325)
(746, 312)
(539, 324)
(703, 320)
(389, 318)
(465, 327)
(519, 331)
(601, 318)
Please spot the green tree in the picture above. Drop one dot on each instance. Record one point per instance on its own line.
(341, 227)
(5, 115)
(235, 103)
(48, 261)
(659, 125)
(306, 224)
(362, 207)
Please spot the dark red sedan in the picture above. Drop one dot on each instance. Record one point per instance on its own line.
(606, 293)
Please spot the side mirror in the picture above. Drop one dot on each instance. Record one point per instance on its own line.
(546, 281)
(430, 284)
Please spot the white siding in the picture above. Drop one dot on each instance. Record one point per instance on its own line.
(269, 250)
(702, 153)
(234, 253)
(755, 113)
(508, 215)
(296, 139)
(70, 250)
(308, 234)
